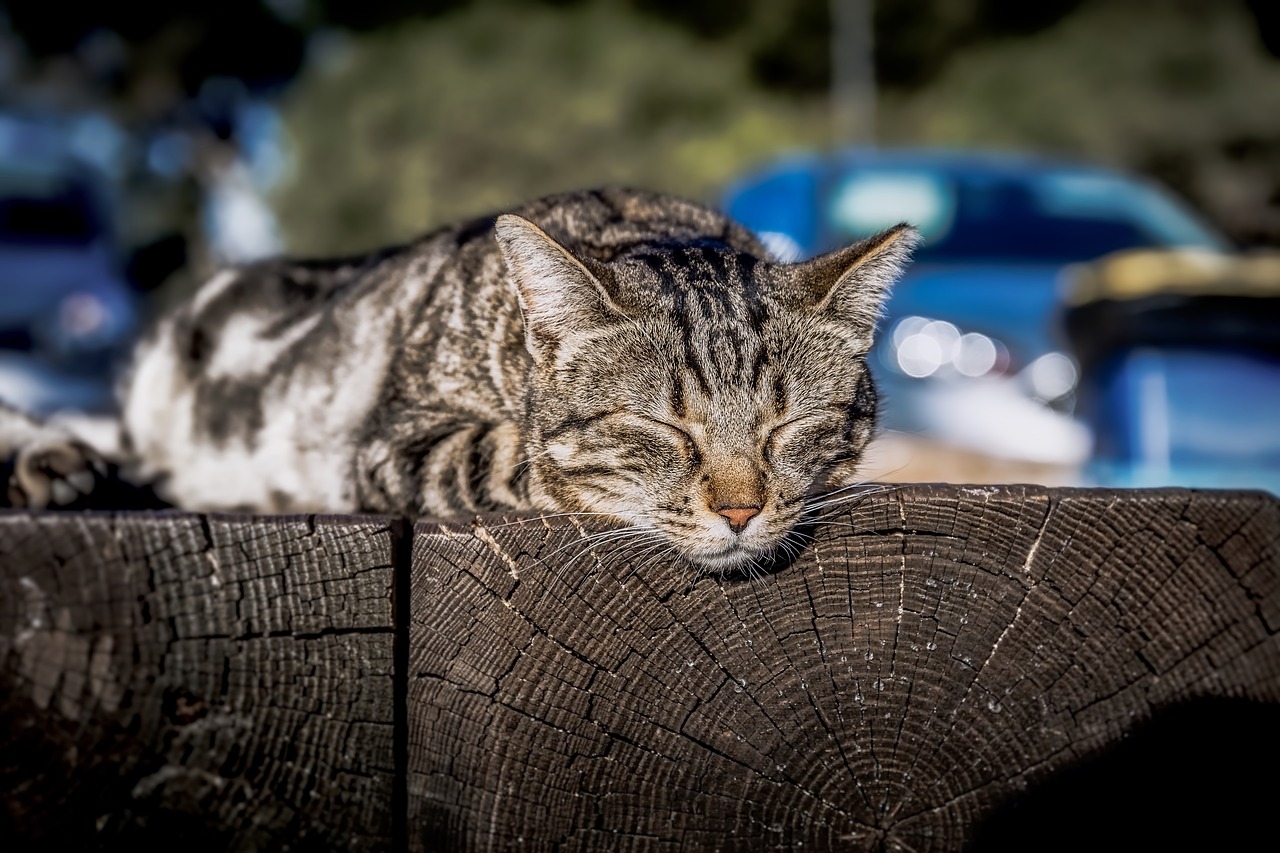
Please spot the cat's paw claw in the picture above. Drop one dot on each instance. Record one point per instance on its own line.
(53, 474)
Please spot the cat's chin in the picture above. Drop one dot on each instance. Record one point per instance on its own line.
(733, 559)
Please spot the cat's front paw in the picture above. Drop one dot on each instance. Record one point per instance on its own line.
(54, 473)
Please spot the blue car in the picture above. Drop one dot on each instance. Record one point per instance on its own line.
(67, 312)
(971, 353)
(1180, 358)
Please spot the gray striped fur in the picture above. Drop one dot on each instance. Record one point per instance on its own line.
(610, 352)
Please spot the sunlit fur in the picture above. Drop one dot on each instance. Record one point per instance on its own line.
(610, 353)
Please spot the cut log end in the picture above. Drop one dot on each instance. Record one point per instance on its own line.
(941, 668)
(933, 655)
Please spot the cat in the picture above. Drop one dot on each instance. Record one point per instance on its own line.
(617, 353)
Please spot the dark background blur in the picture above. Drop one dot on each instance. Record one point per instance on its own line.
(360, 122)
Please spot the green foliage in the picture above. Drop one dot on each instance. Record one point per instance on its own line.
(494, 102)
(1187, 93)
(481, 108)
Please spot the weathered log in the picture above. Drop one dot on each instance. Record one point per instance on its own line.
(215, 683)
(940, 668)
(910, 682)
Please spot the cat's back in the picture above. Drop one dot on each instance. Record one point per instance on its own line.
(255, 392)
(246, 395)
(605, 223)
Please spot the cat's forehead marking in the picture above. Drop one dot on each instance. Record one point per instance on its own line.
(700, 266)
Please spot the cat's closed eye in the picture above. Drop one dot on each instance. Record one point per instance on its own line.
(801, 433)
(786, 431)
(660, 434)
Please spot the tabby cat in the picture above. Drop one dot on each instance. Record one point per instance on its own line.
(615, 352)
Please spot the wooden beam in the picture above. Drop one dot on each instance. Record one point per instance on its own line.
(940, 668)
(218, 681)
(935, 657)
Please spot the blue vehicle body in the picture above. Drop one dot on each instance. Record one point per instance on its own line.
(67, 312)
(999, 230)
(1181, 367)
(1197, 416)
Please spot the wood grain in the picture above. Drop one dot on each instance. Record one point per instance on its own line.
(222, 683)
(936, 660)
(942, 668)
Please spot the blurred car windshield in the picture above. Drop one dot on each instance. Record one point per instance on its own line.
(45, 207)
(1047, 217)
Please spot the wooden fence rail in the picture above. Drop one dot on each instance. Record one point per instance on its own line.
(942, 668)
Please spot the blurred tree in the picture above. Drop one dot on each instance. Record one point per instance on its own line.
(373, 14)
(1183, 91)
(788, 41)
(171, 48)
(511, 98)
(1266, 13)
(482, 108)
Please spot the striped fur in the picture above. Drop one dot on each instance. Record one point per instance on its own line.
(609, 352)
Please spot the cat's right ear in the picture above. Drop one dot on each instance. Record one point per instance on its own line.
(558, 295)
(850, 285)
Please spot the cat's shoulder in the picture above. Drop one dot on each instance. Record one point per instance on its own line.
(605, 221)
(279, 284)
(601, 223)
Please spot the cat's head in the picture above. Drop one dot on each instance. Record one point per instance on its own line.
(697, 392)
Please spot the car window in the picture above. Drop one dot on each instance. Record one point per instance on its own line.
(866, 202)
(45, 207)
(1156, 214)
(1047, 218)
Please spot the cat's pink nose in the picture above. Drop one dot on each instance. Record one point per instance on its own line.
(738, 516)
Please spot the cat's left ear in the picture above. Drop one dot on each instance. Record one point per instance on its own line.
(559, 296)
(850, 285)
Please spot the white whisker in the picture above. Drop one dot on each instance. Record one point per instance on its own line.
(841, 497)
(598, 538)
(536, 518)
